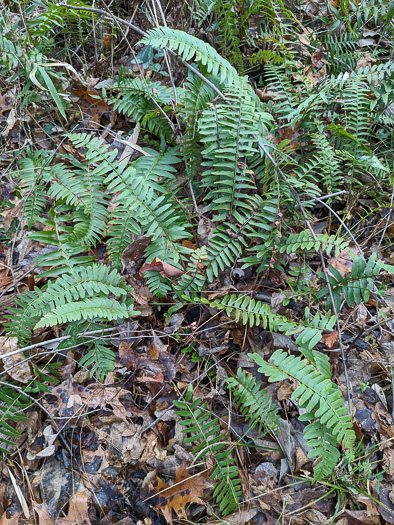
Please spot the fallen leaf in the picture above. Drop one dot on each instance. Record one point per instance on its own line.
(242, 517)
(14, 520)
(343, 263)
(186, 489)
(366, 60)
(19, 372)
(6, 105)
(97, 395)
(44, 518)
(135, 251)
(330, 339)
(92, 108)
(316, 59)
(159, 361)
(77, 510)
(165, 269)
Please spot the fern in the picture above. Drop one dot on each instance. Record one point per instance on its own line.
(321, 399)
(254, 403)
(196, 98)
(32, 185)
(190, 47)
(12, 406)
(228, 132)
(304, 242)
(356, 286)
(82, 294)
(141, 99)
(205, 430)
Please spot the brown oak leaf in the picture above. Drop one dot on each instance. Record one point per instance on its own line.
(186, 489)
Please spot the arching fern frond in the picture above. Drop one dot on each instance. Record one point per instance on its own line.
(304, 242)
(189, 47)
(228, 132)
(97, 308)
(75, 291)
(315, 392)
(159, 216)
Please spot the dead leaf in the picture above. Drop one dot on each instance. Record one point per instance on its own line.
(14, 520)
(237, 518)
(10, 214)
(19, 372)
(97, 395)
(186, 489)
(158, 362)
(366, 60)
(6, 105)
(165, 269)
(330, 339)
(315, 76)
(44, 518)
(316, 59)
(93, 109)
(135, 251)
(77, 511)
(343, 263)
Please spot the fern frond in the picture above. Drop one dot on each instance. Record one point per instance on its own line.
(61, 295)
(305, 242)
(96, 308)
(158, 215)
(228, 132)
(206, 431)
(323, 444)
(315, 392)
(100, 359)
(356, 286)
(189, 47)
(230, 238)
(254, 402)
(140, 98)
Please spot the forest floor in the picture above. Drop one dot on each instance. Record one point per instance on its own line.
(80, 447)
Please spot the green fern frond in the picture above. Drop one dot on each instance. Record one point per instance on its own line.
(356, 286)
(305, 242)
(96, 308)
(100, 359)
(158, 215)
(228, 132)
(323, 444)
(57, 300)
(189, 47)
(315, 392)
(254, 402)
(205, 430)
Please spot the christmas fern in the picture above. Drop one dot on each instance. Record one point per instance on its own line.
(189, 47)
(331, 424)
(254, 403)
(206, 432)
(85, 293)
